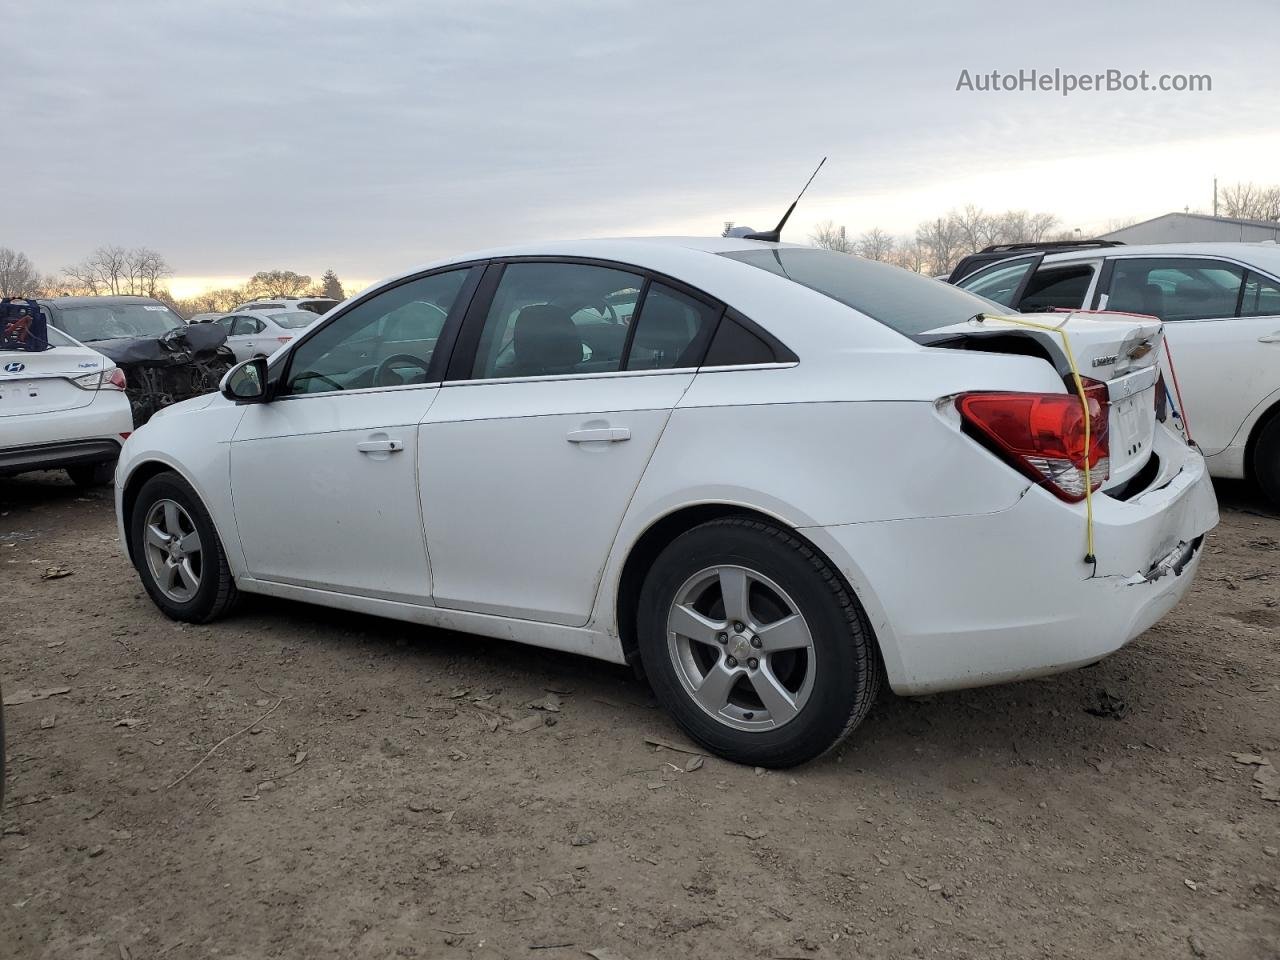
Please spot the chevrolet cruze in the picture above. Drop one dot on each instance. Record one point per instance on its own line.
(773, 476)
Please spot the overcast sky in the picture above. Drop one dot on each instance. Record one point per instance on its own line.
(369, 137)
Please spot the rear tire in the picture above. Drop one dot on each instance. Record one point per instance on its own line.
(1266, 459)
(92, 474)
(177, 553)
(774, 679)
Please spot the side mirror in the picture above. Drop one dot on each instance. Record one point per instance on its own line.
(246, 382)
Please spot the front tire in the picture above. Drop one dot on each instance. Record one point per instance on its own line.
(755, 644)
(177, 553)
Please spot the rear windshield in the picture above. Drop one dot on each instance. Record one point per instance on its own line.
(89, 322)
(293, 320)
(903, 301)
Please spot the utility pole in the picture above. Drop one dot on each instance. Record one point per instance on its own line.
(1215, 196)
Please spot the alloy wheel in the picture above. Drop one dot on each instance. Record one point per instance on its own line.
(741, 648)
(175, 555)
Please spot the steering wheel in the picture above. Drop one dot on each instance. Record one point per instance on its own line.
(385, 366)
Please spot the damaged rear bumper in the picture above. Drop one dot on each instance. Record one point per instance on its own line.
(972, 600)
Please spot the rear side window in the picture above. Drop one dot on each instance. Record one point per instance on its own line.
(671, 331)
(1261, 296)
(1057, 288)
(901, 300)
(1176, 288)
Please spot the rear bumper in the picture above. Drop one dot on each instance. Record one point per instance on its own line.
(50, 456)
(972, 600)
(62, 438)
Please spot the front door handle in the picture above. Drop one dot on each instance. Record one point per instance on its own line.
(380, 446)
(1270, 338)
(599, 435)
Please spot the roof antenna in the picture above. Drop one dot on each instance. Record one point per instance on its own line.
(775, 235)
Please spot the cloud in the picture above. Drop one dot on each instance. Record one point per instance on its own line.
(370, 136)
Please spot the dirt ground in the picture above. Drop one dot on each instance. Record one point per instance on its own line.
(382, 804)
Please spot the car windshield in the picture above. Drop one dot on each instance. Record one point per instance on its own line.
(106, 321)
(293, 319)
(903, 301)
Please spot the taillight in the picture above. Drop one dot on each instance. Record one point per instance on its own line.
(1042, 434)
(284, 339)
(114, 380)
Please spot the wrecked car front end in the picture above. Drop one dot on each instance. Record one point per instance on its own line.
(181, 364)
(164, 359)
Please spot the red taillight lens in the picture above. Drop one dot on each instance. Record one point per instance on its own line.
(114, 380)
(1042, 434)
(284, 339)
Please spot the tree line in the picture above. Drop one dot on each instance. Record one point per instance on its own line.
(141, 271)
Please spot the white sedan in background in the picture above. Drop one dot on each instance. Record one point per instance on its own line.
(770, 474)
(62, 408)
(1220, 303)
(262, 333)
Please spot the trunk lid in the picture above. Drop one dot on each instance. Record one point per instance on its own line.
(40, 382)
(1120, 350)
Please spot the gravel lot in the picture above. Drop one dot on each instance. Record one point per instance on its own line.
(381, 802)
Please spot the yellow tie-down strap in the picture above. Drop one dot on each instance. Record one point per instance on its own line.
(1057, 328)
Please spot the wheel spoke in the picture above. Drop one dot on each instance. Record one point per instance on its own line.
(713, 692)
(733, 588)
(687, 622)
(186, 574)
(776, 698)
(190, 543)
(789, 633)
(172, 527)
(171, 576)
(157, 537)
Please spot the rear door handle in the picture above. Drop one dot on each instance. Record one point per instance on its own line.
(1270, 338)
(599, 435)
(380, 446)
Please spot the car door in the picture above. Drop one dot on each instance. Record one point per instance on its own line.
(1214, 320)
(562, 383)
(324, 475)
(1029, 285)
(242, 338)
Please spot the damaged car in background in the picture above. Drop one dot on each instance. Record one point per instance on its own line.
(164, 359)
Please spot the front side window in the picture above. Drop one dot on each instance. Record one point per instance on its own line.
(555, 319)
(244, 326)
(1261, 296)
(385, 341)
(1176, 288)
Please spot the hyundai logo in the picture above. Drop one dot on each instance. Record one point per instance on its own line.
(14, 367)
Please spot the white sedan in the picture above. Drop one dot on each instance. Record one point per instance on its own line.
(262, 334)
(62, 408)
(770, 474)
(1221, 306)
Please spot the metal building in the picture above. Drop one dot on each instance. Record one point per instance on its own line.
(1196, 228)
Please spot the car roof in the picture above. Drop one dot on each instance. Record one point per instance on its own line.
(1263, 254)
(87, 301)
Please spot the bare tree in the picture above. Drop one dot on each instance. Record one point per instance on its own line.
(876, 244)
(942, 240)
(18, 278)
(910, 255)
(278, 283)
(828, 236)
(114, 270)
(1250, 201)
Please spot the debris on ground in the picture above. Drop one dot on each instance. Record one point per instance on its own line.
(1108, 705)
(55, 573)
(19, 697)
